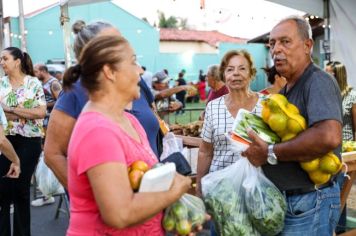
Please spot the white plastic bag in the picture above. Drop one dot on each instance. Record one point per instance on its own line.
(224, 199)
(265, 204)
(171, 144)
(46, 180)
(184, 215)
(236, 146)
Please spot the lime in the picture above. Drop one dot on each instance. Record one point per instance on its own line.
(280, 98)
(288, 136)
(168, 223)
(309, 166)
(329, 164)
(292, 108)
(180, 211)
(266, 112)
(319, 177)
(278, 122)
(183, 227)
(293, 126)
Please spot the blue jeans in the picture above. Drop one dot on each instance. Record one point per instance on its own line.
(315, 213)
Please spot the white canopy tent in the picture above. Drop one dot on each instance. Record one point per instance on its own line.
(342, 21)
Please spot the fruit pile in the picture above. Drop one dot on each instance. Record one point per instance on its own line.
(185, 214)
(348, 146)
(321, 169)
(136, 171)
(284, 118)
(192, 129)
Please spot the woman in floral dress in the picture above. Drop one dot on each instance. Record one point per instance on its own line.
(23, 100)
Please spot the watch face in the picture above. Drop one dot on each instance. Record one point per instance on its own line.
(272, 160)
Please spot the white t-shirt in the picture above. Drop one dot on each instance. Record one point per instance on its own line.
(217, 122)
(3, 120)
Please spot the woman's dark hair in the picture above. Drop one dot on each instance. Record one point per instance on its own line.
(26, 62)
(100, 51)
(271, 72)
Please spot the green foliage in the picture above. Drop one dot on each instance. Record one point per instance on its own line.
(171, 22)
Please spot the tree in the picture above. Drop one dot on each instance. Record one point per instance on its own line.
(145, 19)
(171, 22)
(183, 23)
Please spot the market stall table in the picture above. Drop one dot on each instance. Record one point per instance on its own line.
(349, 158)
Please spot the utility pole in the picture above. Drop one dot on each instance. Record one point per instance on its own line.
(64, 19)
(2, 38)
(22, 26)
(326, 42)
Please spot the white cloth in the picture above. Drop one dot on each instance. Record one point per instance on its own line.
(3, 120)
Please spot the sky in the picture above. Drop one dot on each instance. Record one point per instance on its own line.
(238, 18)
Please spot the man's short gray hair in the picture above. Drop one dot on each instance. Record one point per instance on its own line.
(84, 33)
(303, 26)
(213, 71)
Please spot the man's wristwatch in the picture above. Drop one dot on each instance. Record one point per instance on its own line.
(271, 157)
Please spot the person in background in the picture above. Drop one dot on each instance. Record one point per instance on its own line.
(147, 77)
(163, 94)
(201, 85)
(275, 79)
(70, 104)
(51, 89)
(7, 152)
(180, 96)
(143, 109)
(216, 84)
(312, 210)
(166, 72)
(237, 70)
(59, 76)
(183, 71)
(106, 140)
(201, 75)
(348, 95)
(24, 104)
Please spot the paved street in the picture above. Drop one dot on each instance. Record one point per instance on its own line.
(44, 222)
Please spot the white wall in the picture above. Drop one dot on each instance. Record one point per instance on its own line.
(343, 35)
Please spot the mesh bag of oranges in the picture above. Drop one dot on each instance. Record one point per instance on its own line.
(284, 118)
(185, 214)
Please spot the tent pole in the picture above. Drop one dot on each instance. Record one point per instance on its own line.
(22, 26)
(2, 38)
(64, 19)
(327, 29)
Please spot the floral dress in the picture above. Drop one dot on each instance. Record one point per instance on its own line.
(28, 95)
